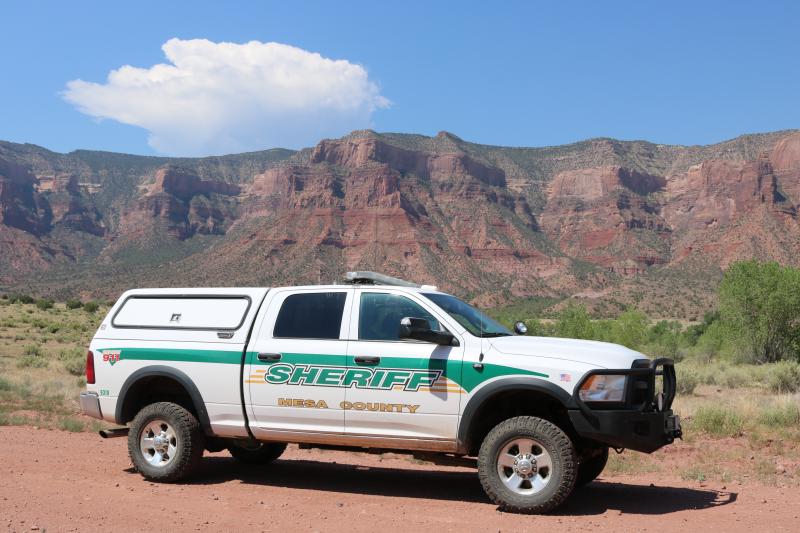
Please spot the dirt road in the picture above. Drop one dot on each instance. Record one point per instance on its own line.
(58, 481)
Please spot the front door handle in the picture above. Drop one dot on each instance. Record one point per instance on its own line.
(367, 360)
(269, 357)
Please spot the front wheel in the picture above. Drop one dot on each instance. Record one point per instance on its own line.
(165, 442)
(257, 453)
(527, 465)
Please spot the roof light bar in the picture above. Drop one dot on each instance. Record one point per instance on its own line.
(365, 277)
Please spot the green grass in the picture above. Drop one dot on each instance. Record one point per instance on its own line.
(718, 421)
(783, 415)
(784, 377)
(71, 424)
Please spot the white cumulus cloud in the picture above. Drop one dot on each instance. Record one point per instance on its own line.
(215, 98)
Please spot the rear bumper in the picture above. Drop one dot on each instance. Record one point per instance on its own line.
(90, 405)
(643, 421)
(643, 432)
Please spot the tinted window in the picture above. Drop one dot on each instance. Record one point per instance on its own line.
(473, 320)
(380, 314)
(311, 316)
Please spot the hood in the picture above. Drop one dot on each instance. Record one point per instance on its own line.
(594, 353)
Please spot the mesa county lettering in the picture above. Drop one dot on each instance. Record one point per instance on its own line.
(358, 406)
(360, 378)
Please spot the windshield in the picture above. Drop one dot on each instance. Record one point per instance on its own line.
(476, 322)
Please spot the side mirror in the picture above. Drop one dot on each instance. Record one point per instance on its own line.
(520, 328)
(420, 329)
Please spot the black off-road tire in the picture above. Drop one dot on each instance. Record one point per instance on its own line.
(553, 440)
(592, 467)
(189, 443)
(259, 453)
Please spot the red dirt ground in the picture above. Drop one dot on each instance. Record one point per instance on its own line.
(57, 481)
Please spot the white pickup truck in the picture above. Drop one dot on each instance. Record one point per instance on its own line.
(377, 363)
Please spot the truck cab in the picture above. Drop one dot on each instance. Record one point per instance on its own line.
(375, 363)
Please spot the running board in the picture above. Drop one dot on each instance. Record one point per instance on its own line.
(114, 433)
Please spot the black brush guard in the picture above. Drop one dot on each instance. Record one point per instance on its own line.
(643, 421)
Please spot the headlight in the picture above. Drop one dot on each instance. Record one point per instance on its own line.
(603, 388)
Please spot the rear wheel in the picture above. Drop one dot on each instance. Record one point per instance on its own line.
(257, 453)
(527, 465)
(165, 442)
(592, 466)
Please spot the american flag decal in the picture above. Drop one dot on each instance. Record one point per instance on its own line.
(566, 377)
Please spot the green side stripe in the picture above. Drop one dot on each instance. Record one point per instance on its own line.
(192, 356)
(465, 375)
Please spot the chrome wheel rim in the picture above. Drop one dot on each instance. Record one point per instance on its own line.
(158, 443)
(524, 466)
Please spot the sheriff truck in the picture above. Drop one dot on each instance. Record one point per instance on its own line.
(374, 364)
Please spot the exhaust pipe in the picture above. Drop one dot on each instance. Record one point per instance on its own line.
(114, 433)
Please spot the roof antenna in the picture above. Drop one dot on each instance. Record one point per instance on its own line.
(375, 243)
(479, 364)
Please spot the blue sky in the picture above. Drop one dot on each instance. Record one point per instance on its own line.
(510, 73)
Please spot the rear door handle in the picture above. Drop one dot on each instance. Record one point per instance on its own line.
(367, 360)
(269, 357)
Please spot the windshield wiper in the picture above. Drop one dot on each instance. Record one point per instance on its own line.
(495, 334)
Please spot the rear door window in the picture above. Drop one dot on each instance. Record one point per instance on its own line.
(314, 315)
(182, 312)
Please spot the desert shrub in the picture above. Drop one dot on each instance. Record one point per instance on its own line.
(735, 377)
(687, 379)
(74, 304)
(718, 421)
(21, 298)
(70, 424)
(74, 361)
(760, 303)
(5, 385)
(784, 414)
(32, 357)
(91, 307)
(784, 377)
(44, 304)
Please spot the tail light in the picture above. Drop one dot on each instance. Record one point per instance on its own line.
(90, 367)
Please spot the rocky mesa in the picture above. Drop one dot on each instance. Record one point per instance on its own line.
(610, 219)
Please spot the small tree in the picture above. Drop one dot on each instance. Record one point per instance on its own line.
(760, 305)
(574, 322)
(630, 329)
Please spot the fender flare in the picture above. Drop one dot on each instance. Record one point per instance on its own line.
(514, 383)
(168, 372)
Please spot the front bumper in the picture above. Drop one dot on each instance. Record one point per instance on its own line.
(644, 421)
(90, 405)
(643, 432)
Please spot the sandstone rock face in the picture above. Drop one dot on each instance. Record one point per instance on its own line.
(20, 206)
(785, 161)
(488, 223)
(183, 205)
(596, 213)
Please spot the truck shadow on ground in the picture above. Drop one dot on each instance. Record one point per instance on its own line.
(452, 485)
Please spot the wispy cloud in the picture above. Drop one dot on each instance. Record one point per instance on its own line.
(213, 98)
